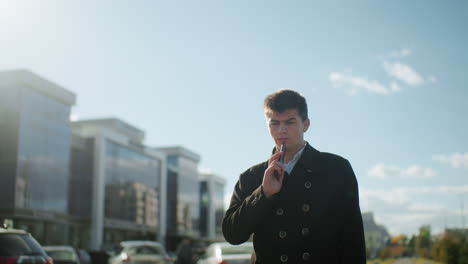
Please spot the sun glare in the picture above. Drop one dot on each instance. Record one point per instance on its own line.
(14, 13)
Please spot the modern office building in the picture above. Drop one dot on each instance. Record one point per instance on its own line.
(93, 183)
(117, 184)
(211, 206)
(183, 192)
(35, 141)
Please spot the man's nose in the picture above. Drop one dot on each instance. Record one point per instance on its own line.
(283, 128)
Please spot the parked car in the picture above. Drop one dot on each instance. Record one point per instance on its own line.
(225, 253)
(139, 252)
(84, 256)
(18, 246)
(62, 254)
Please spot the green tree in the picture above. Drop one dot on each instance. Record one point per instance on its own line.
(440, 249)
(463, 256)
(410, 245)
(423, 242)
(451, 248)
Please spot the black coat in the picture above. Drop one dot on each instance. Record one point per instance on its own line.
(315, 218)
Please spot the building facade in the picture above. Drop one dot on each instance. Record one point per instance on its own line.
(35, 141)
(93, 183)
(183, 208)
(211, 206)
(121, 194)
(376, 236)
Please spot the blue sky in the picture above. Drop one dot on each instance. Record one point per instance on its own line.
(385, 82)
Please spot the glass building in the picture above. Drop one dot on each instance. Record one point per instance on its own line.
(120, 194)
(212, 206)
(35, 141)
(183, 208)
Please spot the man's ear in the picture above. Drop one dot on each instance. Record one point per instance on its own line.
(306, 125)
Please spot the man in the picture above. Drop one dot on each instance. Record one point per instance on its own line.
(303, 211)
(184, 252)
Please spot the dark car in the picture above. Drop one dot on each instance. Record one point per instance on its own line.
(19, 247)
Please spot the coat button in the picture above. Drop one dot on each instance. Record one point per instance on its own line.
(305, 208)
(306, 256)
(305, 231)
(279, 211)
(308, 184)
(282, 234)
(284, 258)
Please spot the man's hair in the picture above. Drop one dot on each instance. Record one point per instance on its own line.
(283, 100)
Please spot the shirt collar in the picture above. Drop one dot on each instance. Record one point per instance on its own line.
(298, 154)
(292, 163)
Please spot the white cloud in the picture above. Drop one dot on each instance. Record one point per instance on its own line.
(399, 72)
(414, 171)
(400, 210)
(409, 223)
(401, 196)
(437, 189)
(401, 53)
(455, 160)
(403, 73)
(428, 208)
(357, 83)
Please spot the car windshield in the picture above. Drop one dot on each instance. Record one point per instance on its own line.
(19, 245)
(144, 250)
(61, 254)
(236, 250)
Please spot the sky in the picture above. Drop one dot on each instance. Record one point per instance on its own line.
(385, 83)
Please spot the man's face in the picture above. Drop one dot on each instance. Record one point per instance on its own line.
(287, 127)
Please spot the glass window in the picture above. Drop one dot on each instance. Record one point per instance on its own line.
(43, 152)
(148, 250)
(132, 187)
(19, 244)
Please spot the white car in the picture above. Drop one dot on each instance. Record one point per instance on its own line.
(225, 253)
(62, 254)
(140, 252)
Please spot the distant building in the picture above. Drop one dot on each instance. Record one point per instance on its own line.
(376, 235)
(183, 208)
(211, 206)
(117, 184)
(35, 154)
(132, 201)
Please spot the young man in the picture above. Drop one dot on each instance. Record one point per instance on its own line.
(305, 210)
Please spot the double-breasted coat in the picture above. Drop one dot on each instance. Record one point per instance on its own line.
(315, 218)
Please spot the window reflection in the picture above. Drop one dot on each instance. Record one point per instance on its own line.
(43, 153)
(132, 184)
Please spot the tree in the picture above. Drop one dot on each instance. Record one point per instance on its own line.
(423, 242)
(451, 248)
(463, 258)
(410, 246)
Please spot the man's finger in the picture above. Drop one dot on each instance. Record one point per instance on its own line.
(275, 157)
(277, 163)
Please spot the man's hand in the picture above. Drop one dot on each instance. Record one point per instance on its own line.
(272, 183)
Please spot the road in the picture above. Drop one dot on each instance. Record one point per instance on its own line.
(409, 261)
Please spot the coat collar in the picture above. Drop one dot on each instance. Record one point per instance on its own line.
(309, 159)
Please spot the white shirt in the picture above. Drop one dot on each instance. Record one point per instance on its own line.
(290, 165)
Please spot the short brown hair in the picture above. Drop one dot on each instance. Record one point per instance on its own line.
(285, 99)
